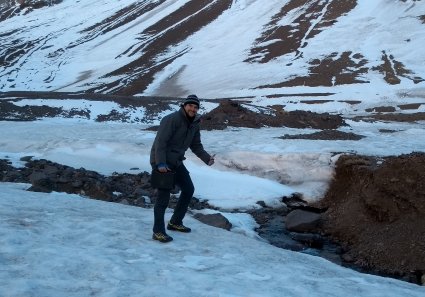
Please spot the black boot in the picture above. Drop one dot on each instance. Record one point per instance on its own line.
(162, 237)
(178, 227)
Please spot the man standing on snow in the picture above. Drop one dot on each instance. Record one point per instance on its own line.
(177, 132)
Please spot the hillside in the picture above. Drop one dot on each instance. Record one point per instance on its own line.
(218, 48)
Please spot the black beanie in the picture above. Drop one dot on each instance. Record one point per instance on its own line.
(191, 99)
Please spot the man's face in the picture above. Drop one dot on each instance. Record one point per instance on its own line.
(191, 109)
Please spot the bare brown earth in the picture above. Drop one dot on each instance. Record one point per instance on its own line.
(376, 209)
(294, 37)
(326, 135)
(235, 114)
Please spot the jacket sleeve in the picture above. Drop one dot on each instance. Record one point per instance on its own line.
(165, 131)
(198, 149)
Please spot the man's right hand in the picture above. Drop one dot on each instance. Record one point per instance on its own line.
(163, 168)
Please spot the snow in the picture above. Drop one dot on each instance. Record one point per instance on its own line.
(64, 245)
(213, 63)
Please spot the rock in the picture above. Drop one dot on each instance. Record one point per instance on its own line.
(26, 158)
(347, 258)
(215, 220)
(140, 202)
(309, 239)
(36, 177)
(37, 188)
(302, 221)
(125, 202)
(295, 201)
(40, 183)
(140, 192)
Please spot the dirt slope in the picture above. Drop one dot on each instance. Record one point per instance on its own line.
(376, 209)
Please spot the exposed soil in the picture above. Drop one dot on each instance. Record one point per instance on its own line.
(393, 117)
(236, 114)
(292, 38)
(325, 135)
(393, 70)
(376, 210)
(334, 69)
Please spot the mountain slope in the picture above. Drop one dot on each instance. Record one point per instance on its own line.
(218, 48)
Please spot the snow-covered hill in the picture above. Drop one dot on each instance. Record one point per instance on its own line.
(220, 48)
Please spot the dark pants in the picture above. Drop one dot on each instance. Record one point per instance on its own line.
(183, 180)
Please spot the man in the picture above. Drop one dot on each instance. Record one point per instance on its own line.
(177, 132)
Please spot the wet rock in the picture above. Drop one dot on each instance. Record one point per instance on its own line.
(125, 202)
(302, 221)
(274, 231)
(309, 239)
(295, 201)
(26, 158)
(141, 202)
(215, 220)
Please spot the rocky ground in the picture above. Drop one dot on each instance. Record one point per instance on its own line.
(372, 217)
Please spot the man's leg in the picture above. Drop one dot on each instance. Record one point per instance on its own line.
(187, 189)
(161, 205)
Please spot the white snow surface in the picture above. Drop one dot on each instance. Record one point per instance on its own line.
(65, 245)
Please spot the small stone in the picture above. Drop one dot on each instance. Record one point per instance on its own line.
(215, 220)
(125, 202)
(26, 158)
(347, 258)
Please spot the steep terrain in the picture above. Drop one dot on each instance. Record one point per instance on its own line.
(217, 48)
(376, 209)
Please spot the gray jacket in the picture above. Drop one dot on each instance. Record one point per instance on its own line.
(175, 135)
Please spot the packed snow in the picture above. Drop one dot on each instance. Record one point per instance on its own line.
(64, 245)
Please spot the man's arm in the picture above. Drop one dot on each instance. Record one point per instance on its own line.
(165, 131)
(198, 149)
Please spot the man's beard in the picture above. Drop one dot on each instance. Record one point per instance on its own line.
(190, 118)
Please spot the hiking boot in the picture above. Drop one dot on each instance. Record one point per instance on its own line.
(178, 227)
(161, 237)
